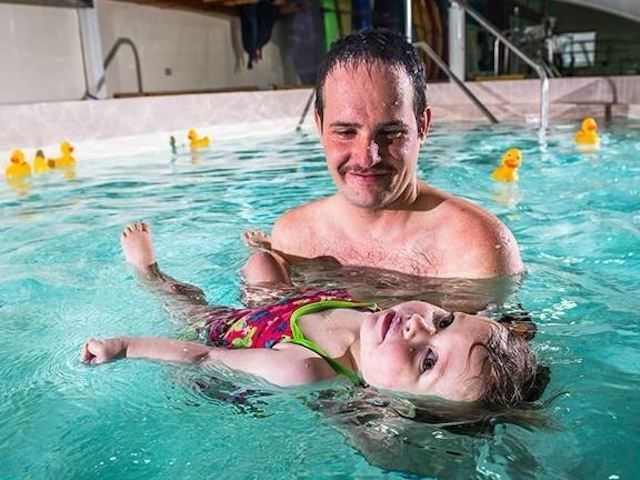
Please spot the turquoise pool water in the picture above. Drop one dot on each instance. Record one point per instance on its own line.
(62, 279)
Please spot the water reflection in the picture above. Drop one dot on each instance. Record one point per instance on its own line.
(433, 437)
(388, 287)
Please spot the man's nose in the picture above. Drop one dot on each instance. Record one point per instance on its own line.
(417, 323)
(367, 152)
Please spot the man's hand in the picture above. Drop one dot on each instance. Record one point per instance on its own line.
(96, 351)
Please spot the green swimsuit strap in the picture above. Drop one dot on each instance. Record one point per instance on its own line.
(300, 339)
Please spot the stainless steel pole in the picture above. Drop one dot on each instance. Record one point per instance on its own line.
(407, 21)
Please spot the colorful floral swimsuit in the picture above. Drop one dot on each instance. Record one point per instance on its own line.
(268, 325)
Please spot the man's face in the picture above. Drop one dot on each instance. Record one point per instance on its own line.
(370, 134)
(418, 348)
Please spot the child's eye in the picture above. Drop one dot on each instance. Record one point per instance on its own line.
(446, 321)
(429, 361)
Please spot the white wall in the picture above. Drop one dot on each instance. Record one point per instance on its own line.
(40, 54)
(202, 50)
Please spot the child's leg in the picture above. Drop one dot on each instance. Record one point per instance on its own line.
(265, 266)
(179, 298)
(265, 274)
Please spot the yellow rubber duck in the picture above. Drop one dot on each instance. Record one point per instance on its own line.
(588, 133)
(508, 169)
(18, 166)
(40, 164)
(66, 160)
(194, 142)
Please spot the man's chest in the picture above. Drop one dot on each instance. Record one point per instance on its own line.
(409, 255)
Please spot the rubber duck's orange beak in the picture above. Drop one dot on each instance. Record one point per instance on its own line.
(16, 157)
(512, 158)
(512, 163)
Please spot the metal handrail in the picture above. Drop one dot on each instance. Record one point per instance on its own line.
(544, 79)
(441, 63)
(496, 58)
(110, 56)
(546, 64)
(306, 110)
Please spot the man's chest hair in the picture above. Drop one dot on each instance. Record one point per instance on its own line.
(410, 257)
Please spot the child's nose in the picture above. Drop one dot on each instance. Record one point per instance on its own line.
(417, 323)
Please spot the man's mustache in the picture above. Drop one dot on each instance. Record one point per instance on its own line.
(377, 170)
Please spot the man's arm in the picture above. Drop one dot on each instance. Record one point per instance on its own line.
(503, 254)
(492, 254)
(477, 244)
(284, 365)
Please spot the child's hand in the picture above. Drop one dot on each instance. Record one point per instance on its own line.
(101, 351)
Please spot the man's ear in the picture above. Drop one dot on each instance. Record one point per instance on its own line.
(424, 123)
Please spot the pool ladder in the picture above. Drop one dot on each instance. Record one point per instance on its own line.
(109, 58)
(537, 67)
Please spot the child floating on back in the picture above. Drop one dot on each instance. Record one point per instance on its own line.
(413, 347)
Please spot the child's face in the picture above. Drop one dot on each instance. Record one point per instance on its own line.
(419, 348)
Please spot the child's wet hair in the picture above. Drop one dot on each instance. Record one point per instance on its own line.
(510, 372)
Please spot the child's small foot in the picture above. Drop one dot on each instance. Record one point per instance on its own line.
(137, 246)
(257, 239)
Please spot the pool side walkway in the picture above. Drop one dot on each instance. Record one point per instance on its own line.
(45, 124)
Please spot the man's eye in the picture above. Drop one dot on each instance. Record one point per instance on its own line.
(393, 133)
(345, 133)
(429, 361)
(446, 321)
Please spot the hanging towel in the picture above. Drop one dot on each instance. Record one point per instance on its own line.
(256, 20)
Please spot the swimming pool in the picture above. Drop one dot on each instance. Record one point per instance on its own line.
(576, 217)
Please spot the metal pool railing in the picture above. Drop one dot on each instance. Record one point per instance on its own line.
(539, 69)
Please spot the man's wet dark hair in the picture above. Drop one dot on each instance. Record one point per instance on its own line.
(370, 47)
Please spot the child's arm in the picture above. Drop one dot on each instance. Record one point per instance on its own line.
(284, 365)
(155, 348)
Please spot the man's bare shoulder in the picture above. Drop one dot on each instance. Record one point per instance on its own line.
(473, 240)
(298, 226)
(470, 214)
(300, 216)
(460, 212)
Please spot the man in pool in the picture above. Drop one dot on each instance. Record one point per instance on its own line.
(372, 116)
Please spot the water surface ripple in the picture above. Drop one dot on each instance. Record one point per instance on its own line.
(63, 279)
